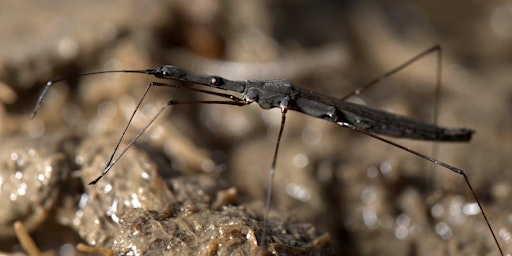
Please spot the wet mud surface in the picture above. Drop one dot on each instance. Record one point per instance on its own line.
(194, 183)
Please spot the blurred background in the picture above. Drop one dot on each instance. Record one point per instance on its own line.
(369, 197)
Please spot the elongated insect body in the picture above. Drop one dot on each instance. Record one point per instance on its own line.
(284, 95)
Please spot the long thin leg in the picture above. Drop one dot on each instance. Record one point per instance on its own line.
(437, 93)
(435, 48)
(127, 125)
(233, 101)
(169, 103)
(437, 107)
(271, 174)
(224, 95)
(437, 162)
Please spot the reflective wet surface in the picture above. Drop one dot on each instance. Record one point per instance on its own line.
(195, 182)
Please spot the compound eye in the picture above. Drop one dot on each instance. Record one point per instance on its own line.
(169, 71)
(216, 81)
(163, 72)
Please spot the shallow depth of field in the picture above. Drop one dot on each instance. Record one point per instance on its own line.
(195, 182)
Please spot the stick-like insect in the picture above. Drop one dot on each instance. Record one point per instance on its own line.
(286, 96)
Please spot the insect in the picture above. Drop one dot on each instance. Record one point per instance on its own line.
(284, 95)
